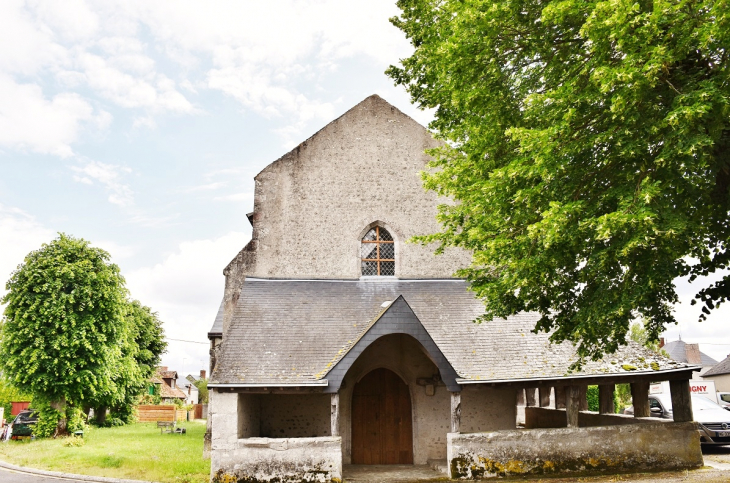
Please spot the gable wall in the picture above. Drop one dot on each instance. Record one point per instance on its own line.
(312, 205)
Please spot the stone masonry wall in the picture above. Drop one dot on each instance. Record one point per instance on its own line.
(281, 460)
(295, 415)
(312, 206)
(249, 415)
(485, 408)
(634, 447)
(256, 459)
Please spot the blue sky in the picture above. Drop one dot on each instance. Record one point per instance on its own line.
(139, 126)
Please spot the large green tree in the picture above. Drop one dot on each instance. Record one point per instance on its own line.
(139, 353)
(70, 337)
(587, 151)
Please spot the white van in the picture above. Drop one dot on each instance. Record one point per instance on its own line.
(698, 388)
(723, 399)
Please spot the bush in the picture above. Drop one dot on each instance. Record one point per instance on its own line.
(48, 419)
(74, 441)
(592, 396)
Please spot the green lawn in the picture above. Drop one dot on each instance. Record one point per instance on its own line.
(136, 451)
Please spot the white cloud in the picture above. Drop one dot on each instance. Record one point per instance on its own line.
(29, 121)
(108, 175)
(141, 56)
(20, 234)
(712, 334)
(186, 289)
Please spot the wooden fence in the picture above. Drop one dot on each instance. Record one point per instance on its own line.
(150, 414)
(198, 411)
(181, 415)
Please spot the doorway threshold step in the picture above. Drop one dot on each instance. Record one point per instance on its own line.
(391, 473)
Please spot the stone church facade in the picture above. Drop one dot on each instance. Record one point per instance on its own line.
(338, 342)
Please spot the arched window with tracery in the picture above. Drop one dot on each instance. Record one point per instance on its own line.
(378, 252)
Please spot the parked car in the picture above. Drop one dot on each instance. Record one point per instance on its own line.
(22, 425)
(714, 421)
(724, 399)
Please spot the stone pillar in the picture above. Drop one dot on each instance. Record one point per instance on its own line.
(335, 414)
(560, 397)
(531, 397)
(640, 399)
(521, 397)
(584, 398)
(455, 412)
(572, 405)
(681, 400)
(545, 396)
(605, 398)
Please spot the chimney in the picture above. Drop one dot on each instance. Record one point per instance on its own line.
(202, 374)
(661, 342)
(692, 351)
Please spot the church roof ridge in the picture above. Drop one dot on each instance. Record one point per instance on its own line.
(303, 145)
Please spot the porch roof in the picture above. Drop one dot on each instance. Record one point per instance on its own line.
(292, 332)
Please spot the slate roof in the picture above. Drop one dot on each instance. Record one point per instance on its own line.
(676, 350)
(722, 367)
(217, 329)
(295, 331)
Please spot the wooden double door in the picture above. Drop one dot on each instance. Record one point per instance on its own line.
(382, 428)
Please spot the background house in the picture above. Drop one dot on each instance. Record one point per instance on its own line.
(680, 351)
(164, 383)
(720, 374)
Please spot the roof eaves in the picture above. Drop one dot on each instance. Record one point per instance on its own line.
(692, 368)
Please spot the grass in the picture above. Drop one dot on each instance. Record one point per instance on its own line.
(136, 451)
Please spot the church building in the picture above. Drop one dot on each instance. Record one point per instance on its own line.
(339, 342)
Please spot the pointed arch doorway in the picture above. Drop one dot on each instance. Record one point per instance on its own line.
(382, 427)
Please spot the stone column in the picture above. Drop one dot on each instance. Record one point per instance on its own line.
(640, 399)
(572, 405)
(335, 414)
(681, 401)
(545, 396)
(521, 397)
(560, 397)
(584, 398)
(455, 412)
(605, 398)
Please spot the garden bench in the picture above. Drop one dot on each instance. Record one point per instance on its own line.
(166, 426)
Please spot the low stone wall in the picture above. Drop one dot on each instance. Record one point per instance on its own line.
(281, 460)
(536, 417)
(626, 448)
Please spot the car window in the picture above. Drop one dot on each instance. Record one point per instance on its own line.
(725, 397)
(653, 403)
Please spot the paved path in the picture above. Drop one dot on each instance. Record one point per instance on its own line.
(11, 476)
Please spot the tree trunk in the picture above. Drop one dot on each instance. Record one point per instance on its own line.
(100, 415)
(60, 406)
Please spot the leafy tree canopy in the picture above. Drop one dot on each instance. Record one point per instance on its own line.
(71, 338)
(587, 152)
(62, 325)
(140, 349)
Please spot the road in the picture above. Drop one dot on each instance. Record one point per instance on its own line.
(10, 476)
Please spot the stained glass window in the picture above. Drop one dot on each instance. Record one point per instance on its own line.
(378, 253)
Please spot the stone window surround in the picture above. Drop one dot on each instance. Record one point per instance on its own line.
(397, 237)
